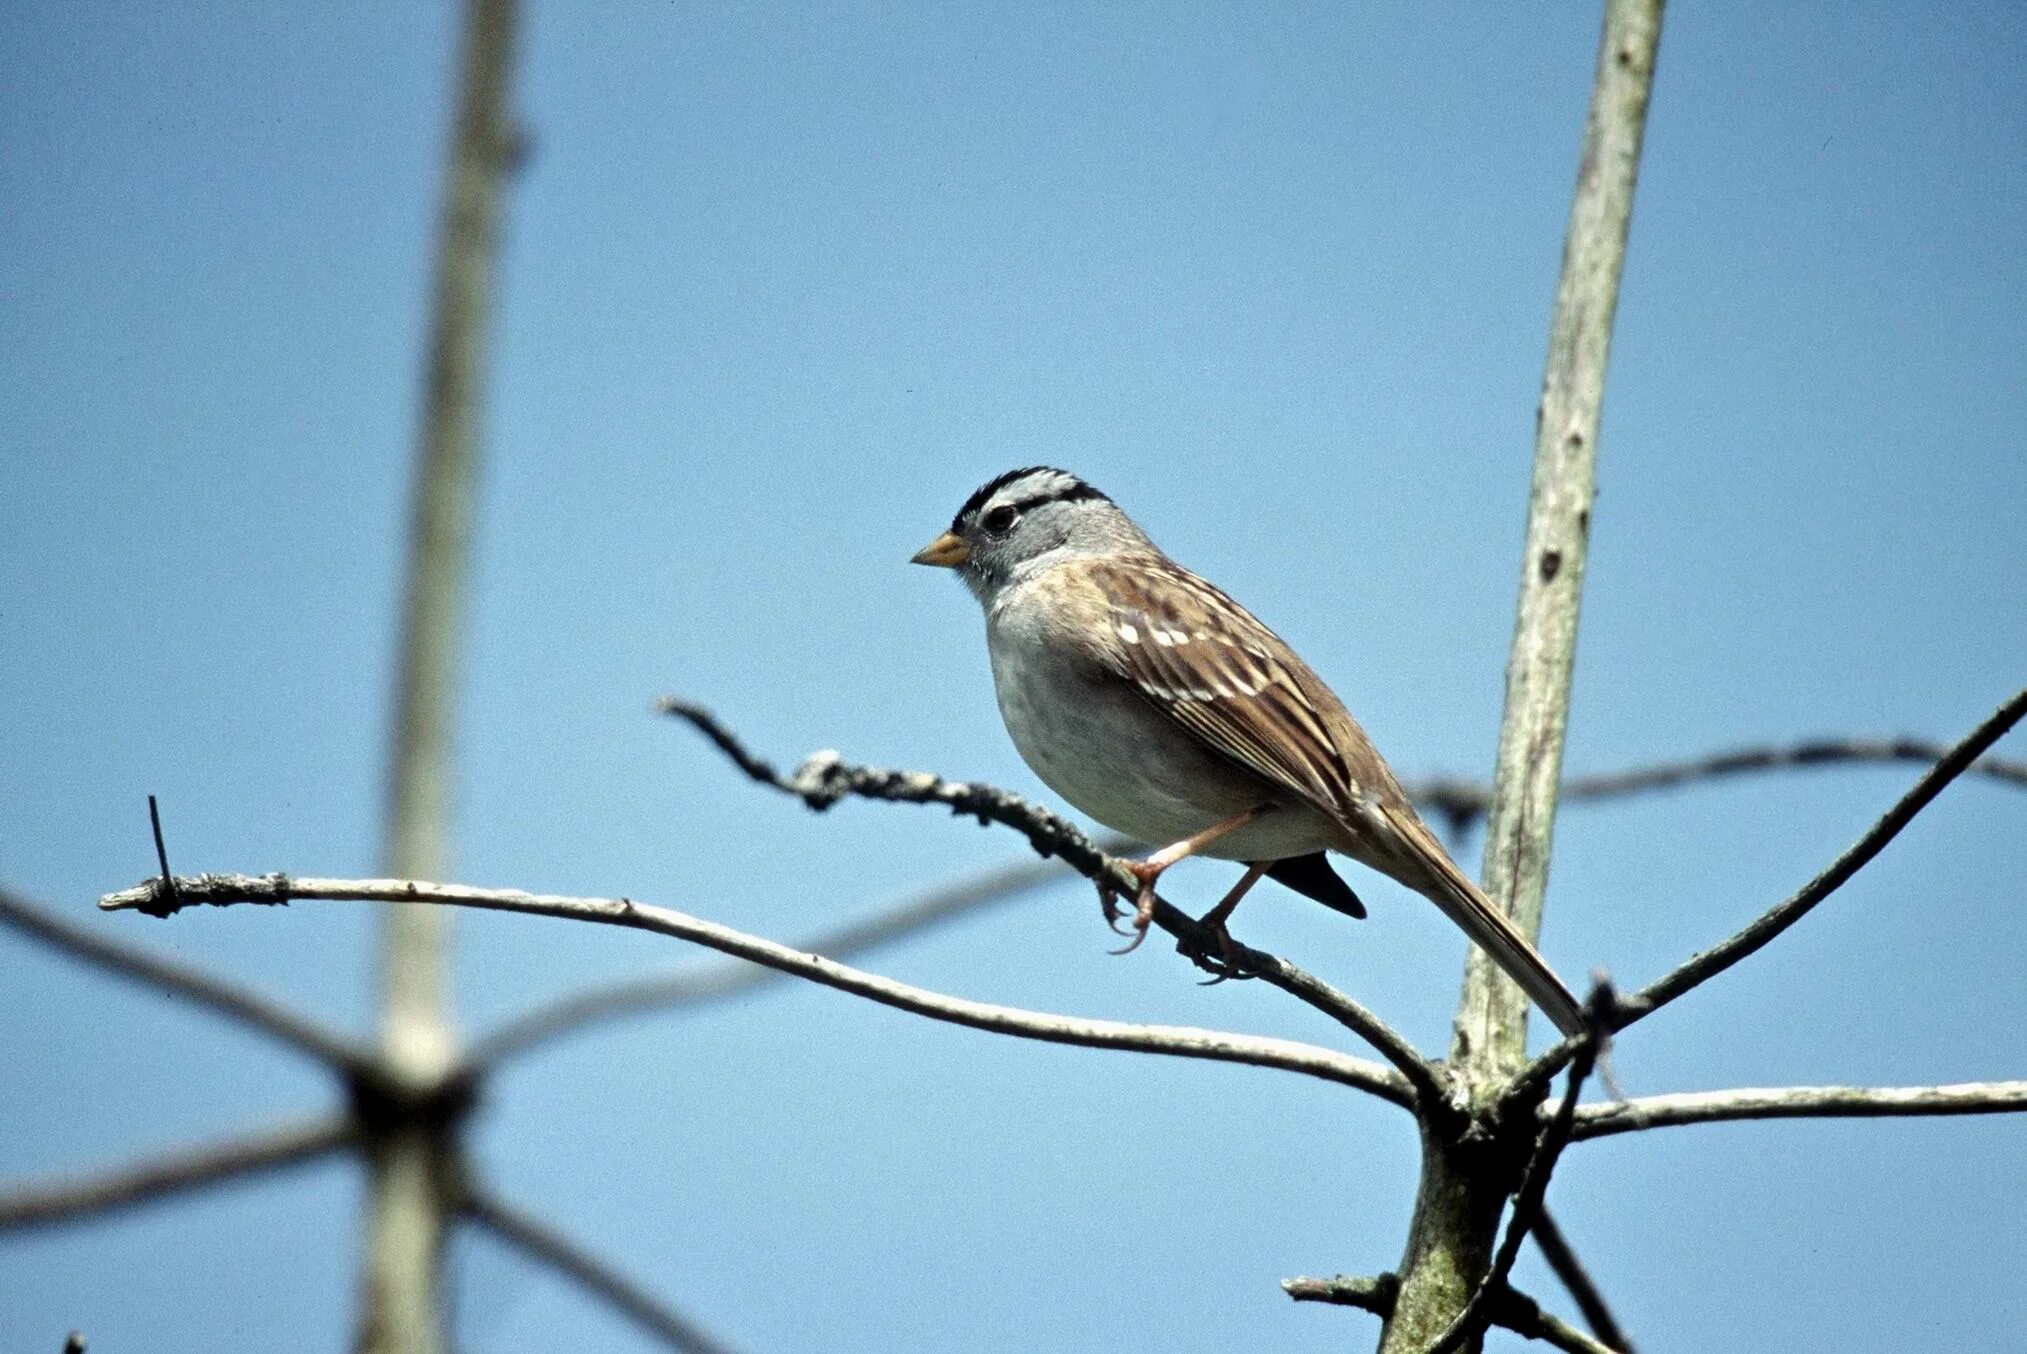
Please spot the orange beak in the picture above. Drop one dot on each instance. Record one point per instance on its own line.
(945, 552)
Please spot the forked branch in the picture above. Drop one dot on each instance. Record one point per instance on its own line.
(1510, 1309)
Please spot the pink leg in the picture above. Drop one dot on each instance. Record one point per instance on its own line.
(1149, 870)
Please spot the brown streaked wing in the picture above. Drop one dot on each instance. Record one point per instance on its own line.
(1209, 664)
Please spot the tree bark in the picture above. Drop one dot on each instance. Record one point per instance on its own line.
(1457, 1211)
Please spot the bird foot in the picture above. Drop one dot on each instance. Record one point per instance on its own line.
(1227, 963)
(1143, 905)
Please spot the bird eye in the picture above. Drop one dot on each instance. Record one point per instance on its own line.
(1001, 519)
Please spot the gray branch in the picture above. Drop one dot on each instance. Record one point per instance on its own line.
(1511, 1309)
(1562, 1261)
(1461, 802)
(410, 1171)
(1717, 959)
(1703, 967)
(107, 1190)
(1450, 1239)
(129, 961)
(1458, 801)
(544, 1244)
(1800, 1102)
(823, 780)
(661, 991)
(1287, 1055)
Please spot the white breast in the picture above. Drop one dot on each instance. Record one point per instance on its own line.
(1105, 749)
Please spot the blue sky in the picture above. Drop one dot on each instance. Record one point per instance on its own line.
(779, 288)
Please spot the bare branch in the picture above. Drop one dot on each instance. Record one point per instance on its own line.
(1562, 1261)
(1720, 957)
(1470, 1323)
(130, 961)
(1491, 1024)
(1172, 1040)
(1801, 1102)
(1461, 802)
(1511, 1309)
(1450, 1238)
(661, 991)
(544, 1244)
(1458, 801)
(823, 780)
(1707, 965)
(409, 1180)
(43, 1203)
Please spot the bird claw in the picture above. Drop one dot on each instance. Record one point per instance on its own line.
(1228, 963)
(1108, 903)
(1143, 907)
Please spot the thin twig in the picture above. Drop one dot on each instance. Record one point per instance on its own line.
(661, 991)
(129, 961)
(1172, 1040)
(543, 1243)
(1470, 1323)
(1720, 957)
(1702, 967)
(161, 847)
(105, 1190)
(1563, 1263)
(1511, 1309)
(1800, 1102)
(1460, 803)
(823, 780)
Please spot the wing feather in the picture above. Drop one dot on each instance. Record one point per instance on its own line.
(1209, 664)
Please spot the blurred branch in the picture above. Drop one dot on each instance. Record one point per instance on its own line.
(1179, 1041)
(128, 961)
(411, 1166)
(1715, 960)
(104, 1191)
(1462, 802)
(1800, 1102)
(542, 1243)
(1511, 1309)
(660, 991)
(823, 779)
(1563, 1263)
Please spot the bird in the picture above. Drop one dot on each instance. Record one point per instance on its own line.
(1157, 705)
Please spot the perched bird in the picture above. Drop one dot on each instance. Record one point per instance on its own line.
(1160, 707)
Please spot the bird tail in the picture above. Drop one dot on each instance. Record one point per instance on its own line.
(1430, 872)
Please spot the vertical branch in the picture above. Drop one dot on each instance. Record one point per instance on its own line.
(1457, 1210)
(1491, 1028)
(412, 1158)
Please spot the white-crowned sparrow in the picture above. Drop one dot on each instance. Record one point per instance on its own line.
(1160, 707)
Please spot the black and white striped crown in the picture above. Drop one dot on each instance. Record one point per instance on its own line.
(1025, 489)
